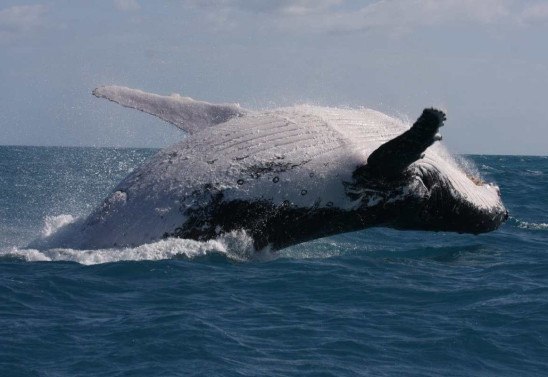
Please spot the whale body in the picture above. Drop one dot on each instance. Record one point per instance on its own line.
(285, 176)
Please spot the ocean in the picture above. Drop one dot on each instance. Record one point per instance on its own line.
(376, 302)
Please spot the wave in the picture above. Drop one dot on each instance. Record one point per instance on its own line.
(528, 225)
(532, 173)
(236, 246)
(534, 226)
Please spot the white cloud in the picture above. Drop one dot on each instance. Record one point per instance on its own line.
(399, 16)
(536, 13)
(343, 15)
(299, 7)
(127, 5)
(284, 7)
(392, 17)
(20, 19)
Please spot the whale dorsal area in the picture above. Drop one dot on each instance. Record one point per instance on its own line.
(183, 112)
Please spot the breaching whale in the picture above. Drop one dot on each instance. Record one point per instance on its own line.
(285, 176)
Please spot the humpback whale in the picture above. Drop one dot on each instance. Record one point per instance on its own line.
(286, 176)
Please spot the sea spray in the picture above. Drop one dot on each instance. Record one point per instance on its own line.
(235, 245)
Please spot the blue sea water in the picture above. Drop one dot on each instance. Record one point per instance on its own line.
(376, 302)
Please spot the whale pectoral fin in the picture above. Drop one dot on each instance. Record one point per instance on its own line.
(184, 112)
(394, 156)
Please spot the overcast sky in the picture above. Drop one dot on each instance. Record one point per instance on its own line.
(484, 61)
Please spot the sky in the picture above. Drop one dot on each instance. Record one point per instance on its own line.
(484, 62)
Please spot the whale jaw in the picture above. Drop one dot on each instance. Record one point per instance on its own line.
(461, 216)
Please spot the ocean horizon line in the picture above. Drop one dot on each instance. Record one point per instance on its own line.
(161, 147)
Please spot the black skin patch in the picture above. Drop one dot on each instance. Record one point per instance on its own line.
(285, 224)
(278, 225)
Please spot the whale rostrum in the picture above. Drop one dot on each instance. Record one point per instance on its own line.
(285, 176)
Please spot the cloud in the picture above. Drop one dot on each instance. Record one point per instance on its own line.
(345, 15)
(283, 7)
(20, 20)
(400, 16)
(427, 12)
(387, 17)
(127, 5)
(290, 7)
(536, 13)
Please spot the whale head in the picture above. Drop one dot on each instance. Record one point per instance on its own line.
(423, 187)
(451, 199)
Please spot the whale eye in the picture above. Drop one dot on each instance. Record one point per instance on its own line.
(275, 179)
(329, 204)
(311, 175)
(304, 192)
(240, 182)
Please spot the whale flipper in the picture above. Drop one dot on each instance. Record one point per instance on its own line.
(183, 112)
(394, 156)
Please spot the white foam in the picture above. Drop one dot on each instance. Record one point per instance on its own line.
(533, 226)
(236, 246)
(53, 223)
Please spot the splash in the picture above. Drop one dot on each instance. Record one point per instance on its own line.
(53, 223)
(237, 246)
(469, 168)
